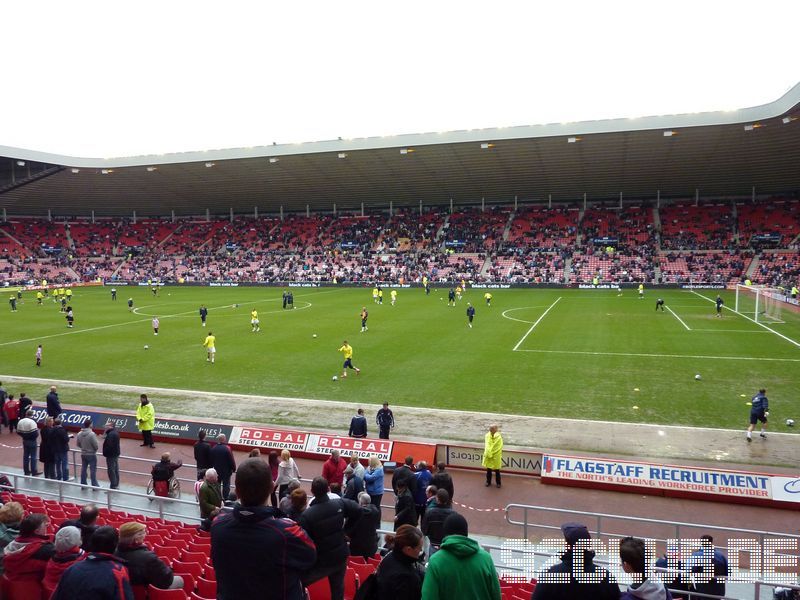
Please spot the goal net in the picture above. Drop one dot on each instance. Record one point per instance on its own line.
(762, 304)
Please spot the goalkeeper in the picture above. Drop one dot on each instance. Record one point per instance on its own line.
(759, 411)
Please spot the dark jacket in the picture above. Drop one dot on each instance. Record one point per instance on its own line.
(354, 487)
(111, 443)
(86, 531)
(202, 455)
(325, 522)
(258, 556)
(26, 558)
(53, 405)
(363, 532)
(607, 589)
(222, 460)
(399, 578)
(404, 473)
(99, 577)
(716, 579)
(358, 427)
(433, 522)
(60, 439)
(443, 480)
(144, 566)
(24, 405)
(46, 453)
(404, 510)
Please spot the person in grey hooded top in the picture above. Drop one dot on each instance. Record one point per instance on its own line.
(644, 587)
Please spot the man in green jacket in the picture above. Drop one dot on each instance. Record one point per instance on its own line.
(461, 569)
(210, 497)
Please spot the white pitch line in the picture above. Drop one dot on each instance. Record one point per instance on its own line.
(645, 355)
(788, 339)
(730, 330)
(505, 316)
(674, 314)
(535, 324)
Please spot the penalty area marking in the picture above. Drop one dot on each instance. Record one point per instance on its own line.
(646, 355)
(674, 314)
(527, 333)
(505, 316)
(780, 335)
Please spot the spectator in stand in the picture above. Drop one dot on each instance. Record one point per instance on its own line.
(25, 404)
(46, 454)
(443, 480)
(354, 485)
(298, 503)
(356, 465)
(210, 498)
(144, 566)
(405, 473)
(708, 580)
(385, 421)
(111, 451)
(373, 480)
(550, 587)
(358, 425)
(461, 569)
(273, 460)
(400, 575)
(363, 533)
(25, 558)
(60, 440)
(202, 454)
(287, 470)
(423, 477)
(11, 513)
(53, 404)
(163, 472)
(223, 463)
(11, 412)
(325, 520)
(256, 554)
(632, 555)
(87, 442)
(3, 398)
(146, 420)
(68, 552)
(86, 524)
(405, 512)
(434, 518)
(285, 503)
(333, 469)
(29, 431)
(101, 576)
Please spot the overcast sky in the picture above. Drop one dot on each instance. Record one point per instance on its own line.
(122, 78)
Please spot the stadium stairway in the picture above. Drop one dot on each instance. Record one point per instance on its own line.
(753, 266)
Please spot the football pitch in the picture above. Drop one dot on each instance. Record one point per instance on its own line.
(582, 354)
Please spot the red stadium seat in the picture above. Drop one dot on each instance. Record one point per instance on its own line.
(363, 571)
(319, 590)
(139, 592)
(167, 553)
(194, 568)
(206, 588)
(154, 593)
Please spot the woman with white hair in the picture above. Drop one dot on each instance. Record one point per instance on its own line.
(68, 552)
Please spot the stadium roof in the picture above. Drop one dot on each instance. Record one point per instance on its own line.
(715, 154)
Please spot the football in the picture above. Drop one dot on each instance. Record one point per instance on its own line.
(334, 378)
(790, 422)
(314, 335)
(697, 377)
(146, 347)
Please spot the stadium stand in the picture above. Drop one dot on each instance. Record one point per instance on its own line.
(689, 227)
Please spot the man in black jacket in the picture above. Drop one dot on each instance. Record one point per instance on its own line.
(325, 521)
(46, 454)
(442, 480)
(202, 454)
(433, 520)
(404, 510)
(255, 554)
(605, 587)
(363, 533)
(87, 523)
(59, 438)
(405, 474)
(111, 451)
(144, 566)
(53, 404)
(223, 463)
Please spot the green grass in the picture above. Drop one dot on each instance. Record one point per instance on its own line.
(584, 359)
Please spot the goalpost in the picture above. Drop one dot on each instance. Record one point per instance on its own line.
(762, 304)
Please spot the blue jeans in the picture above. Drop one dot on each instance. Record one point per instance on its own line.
(90, 461)
(112, 464)
(29, 456)
(62, 465)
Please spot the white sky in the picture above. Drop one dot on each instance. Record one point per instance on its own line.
(118, 78)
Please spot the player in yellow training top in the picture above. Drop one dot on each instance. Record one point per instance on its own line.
(254, 322)
(458, 292)
(210, 345)
(488, 297)
(393, 294)
(347, 350)
(641, 291)
(375, 295)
